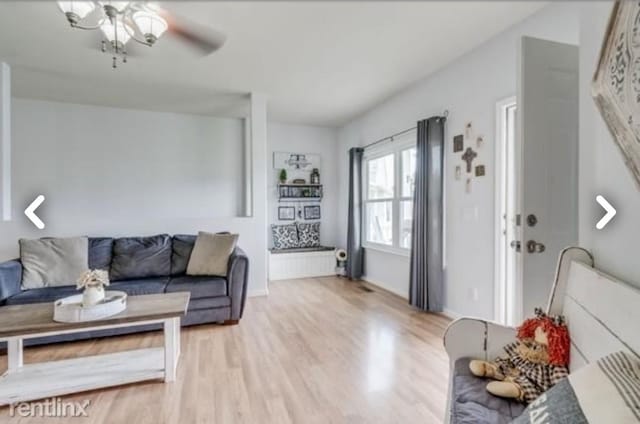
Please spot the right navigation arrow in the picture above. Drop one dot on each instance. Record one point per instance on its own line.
(611, 212)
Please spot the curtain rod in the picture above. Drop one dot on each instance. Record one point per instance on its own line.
(392, 136)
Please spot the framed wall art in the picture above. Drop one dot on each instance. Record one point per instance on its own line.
(286, 213)
(312, 212)
(616, 87)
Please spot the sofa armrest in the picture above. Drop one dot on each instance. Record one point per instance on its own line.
(476, 338)
(10, 278)
(237, 280)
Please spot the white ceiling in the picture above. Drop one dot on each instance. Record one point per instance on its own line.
(320, 63)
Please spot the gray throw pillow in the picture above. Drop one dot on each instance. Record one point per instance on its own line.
(53, 261)
(210, 254)
(606, 391)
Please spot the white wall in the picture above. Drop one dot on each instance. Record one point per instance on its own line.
(602, 169)
(469, 88)
(306, 139)
(118, 172)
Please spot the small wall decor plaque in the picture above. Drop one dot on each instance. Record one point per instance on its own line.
(286, 213)
(458, 172)
(480, 171)
(458, 143)
(312, 212)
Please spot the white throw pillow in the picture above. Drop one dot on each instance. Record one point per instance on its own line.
(210, 254)
(53, 261)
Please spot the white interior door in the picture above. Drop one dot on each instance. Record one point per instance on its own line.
(547, 121)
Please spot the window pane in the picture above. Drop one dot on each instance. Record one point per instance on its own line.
(406, 221)
(380, 172)
(380, 222)
(408, 171)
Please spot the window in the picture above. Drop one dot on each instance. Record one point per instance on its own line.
(389, 185)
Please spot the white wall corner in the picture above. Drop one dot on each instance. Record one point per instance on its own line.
(5, 141)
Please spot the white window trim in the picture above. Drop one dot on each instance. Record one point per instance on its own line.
(395, 147)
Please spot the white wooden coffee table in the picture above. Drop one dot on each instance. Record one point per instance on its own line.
(24, 382)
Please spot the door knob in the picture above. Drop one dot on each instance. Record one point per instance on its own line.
(515, 244)
(535, 247)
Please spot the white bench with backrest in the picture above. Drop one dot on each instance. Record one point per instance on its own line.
(603, 316)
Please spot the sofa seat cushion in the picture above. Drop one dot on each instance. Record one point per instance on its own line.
(199, 287)
(209, 303)
(141, 257)
(472, 404)
(43, 294)
(141, 286)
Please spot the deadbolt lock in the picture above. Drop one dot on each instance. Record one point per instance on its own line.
(532, 220)
(535, 247)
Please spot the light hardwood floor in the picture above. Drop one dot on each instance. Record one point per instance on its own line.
(319, 350)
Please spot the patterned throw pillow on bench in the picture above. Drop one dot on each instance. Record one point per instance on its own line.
(309, 234)
(285, 236)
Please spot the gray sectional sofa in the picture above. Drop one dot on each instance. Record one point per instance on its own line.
(144, 265)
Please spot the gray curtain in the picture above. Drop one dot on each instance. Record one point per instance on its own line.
(354, 228)
(426, 278)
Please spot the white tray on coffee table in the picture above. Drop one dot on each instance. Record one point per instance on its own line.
(70, 308)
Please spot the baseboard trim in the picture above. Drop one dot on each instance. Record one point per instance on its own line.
(258, 293)
(451, 314)
(385, 287)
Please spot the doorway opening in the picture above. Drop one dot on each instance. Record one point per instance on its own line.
(507, 244)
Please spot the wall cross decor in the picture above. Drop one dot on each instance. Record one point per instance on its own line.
(468, 156)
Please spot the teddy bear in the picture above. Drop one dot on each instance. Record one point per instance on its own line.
(531, 365)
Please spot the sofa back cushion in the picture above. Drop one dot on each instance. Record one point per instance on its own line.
(53, 261)
(100, 252)
(182, 245)
(141, 257)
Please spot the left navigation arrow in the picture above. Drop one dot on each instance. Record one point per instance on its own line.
(30, 212)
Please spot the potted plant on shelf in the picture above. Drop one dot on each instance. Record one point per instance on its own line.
(93, 282)
(283, 176)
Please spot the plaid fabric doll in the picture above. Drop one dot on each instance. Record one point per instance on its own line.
(537, 360)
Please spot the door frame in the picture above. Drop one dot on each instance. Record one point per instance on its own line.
(501, 249)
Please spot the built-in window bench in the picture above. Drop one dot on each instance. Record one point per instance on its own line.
(301, 262)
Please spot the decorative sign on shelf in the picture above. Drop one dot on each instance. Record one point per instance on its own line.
(296, 161)
(286, 213)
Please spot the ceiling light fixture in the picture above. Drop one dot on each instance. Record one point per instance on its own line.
(119, 21)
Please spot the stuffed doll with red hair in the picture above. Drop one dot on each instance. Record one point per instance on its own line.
(537, 360)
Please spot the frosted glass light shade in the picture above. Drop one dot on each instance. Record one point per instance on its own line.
(150, 24)
(118, 5)
(79, 8)
(110, 32)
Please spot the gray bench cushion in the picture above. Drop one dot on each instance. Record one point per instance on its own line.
(472, 404)
(199, 287)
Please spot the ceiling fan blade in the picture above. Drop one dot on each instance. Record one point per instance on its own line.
(205, 39)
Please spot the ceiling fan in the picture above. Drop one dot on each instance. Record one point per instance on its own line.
(140, 21)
